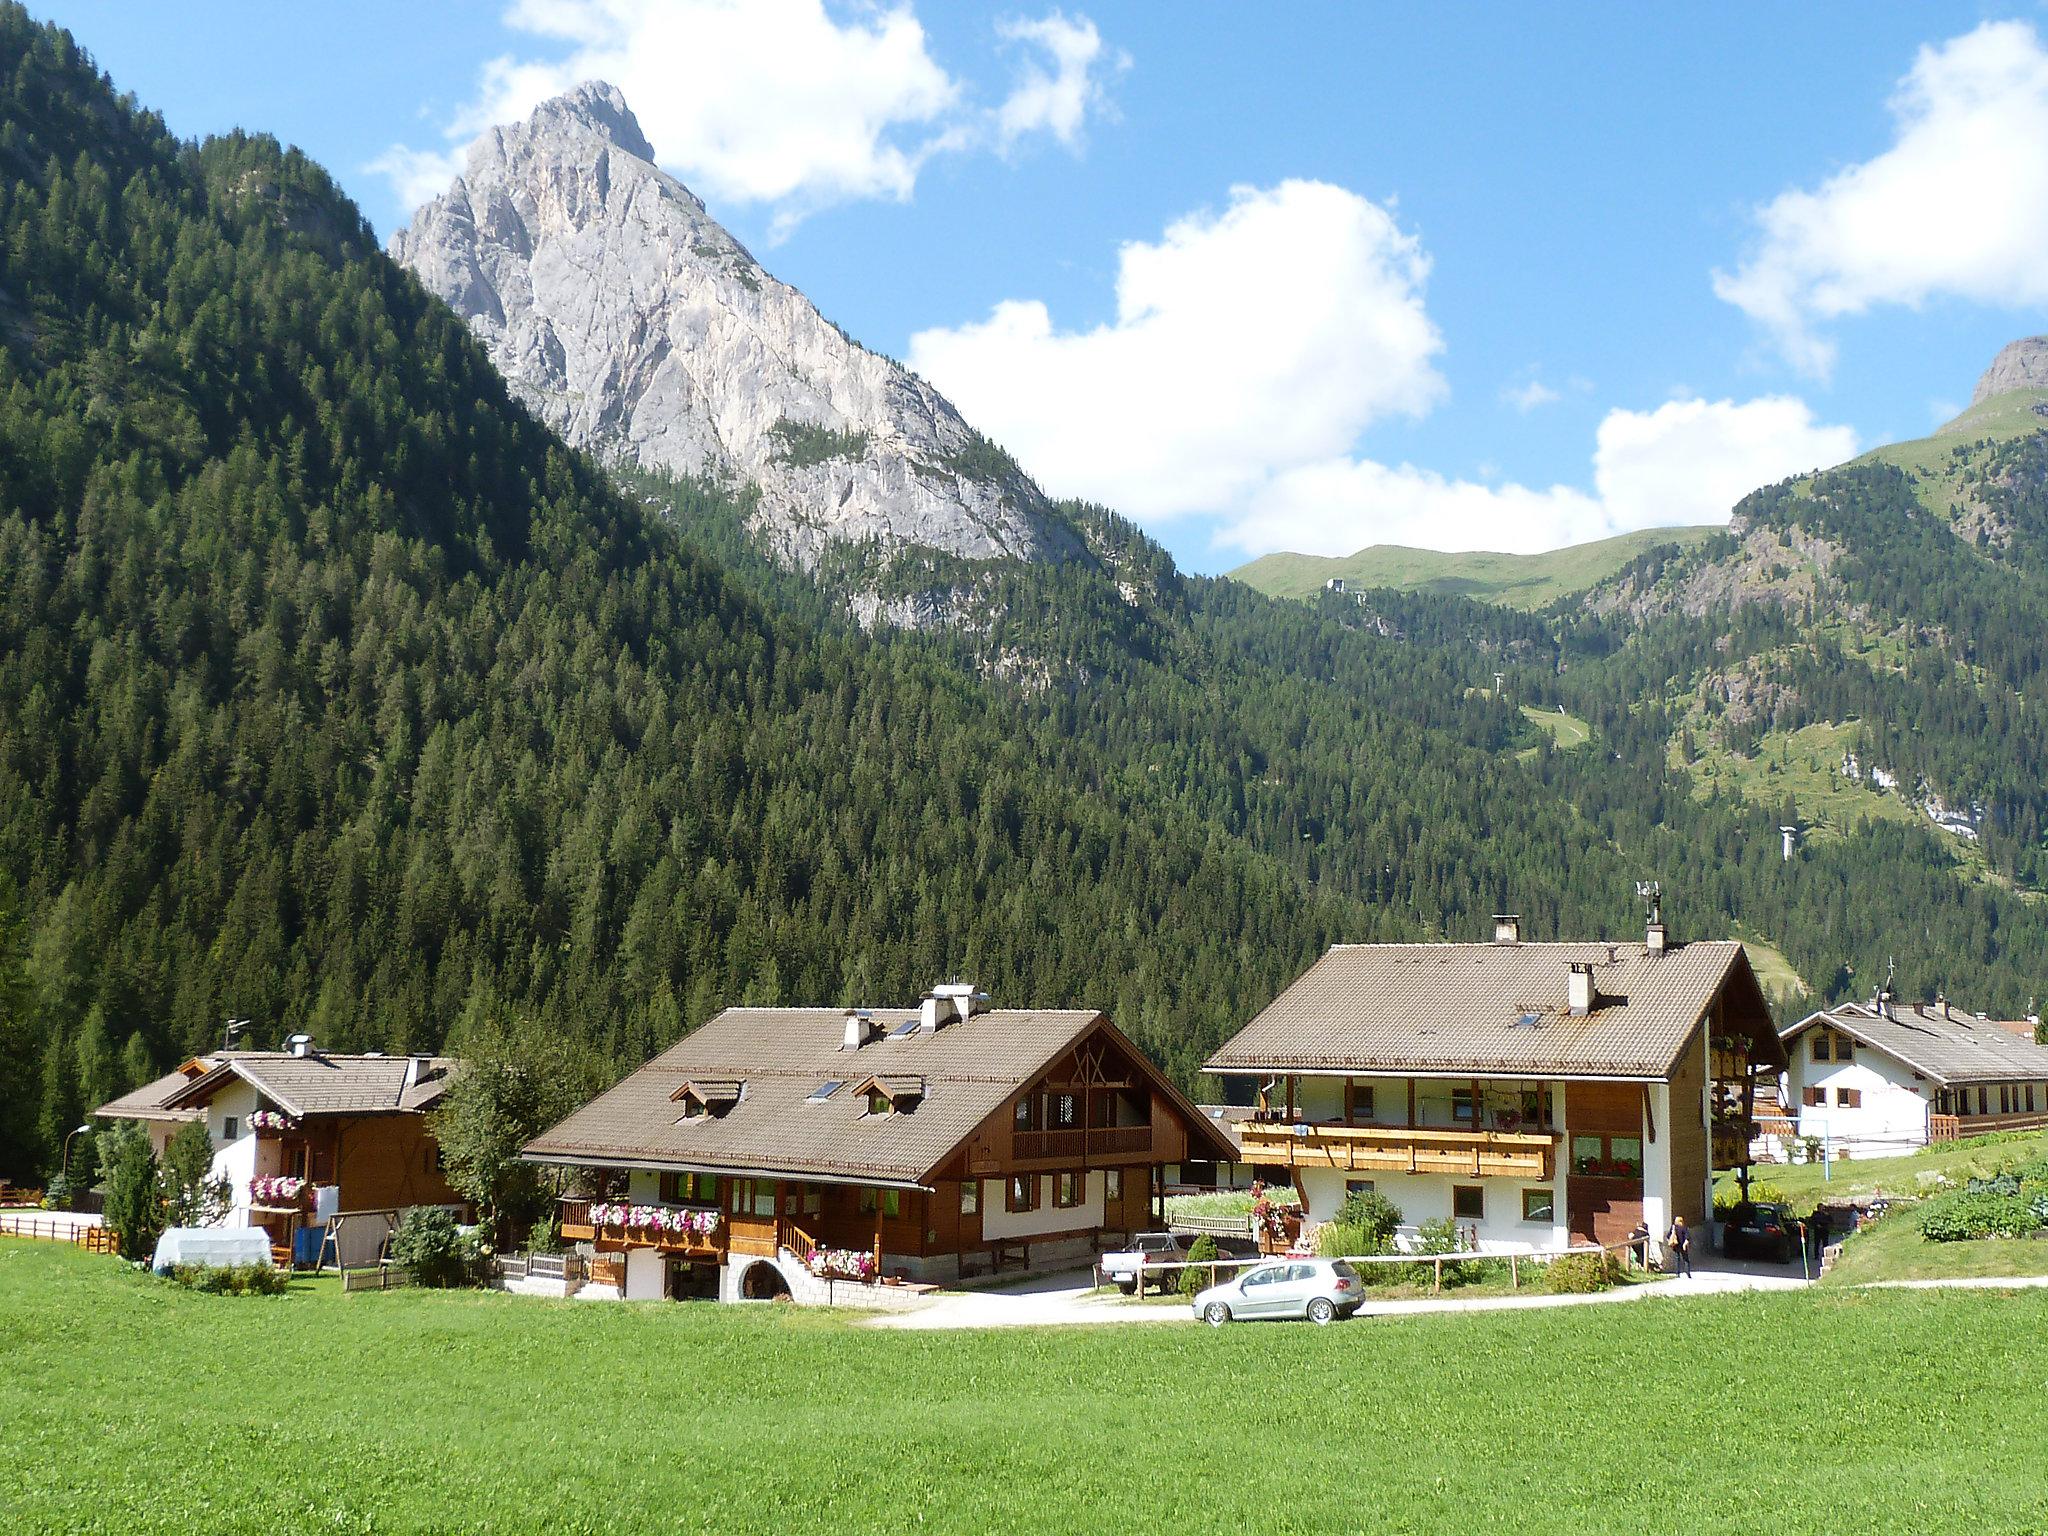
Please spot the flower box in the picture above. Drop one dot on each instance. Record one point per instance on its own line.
(272, 1122)
(843, 1264)
(283, 1190)
(655, 1221)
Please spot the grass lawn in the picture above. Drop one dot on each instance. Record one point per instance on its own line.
(1805, 1185)
(131, 1406)
(1893, 1249)
(1566, 731)
(1774, 973)
(1528, 582)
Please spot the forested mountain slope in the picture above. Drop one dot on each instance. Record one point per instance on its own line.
(1892, 615)
(336, 693)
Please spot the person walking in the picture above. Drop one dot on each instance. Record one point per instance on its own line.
(1679, 1241)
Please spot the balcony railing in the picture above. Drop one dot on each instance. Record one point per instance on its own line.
(1401, 1149)
(1097, 1141)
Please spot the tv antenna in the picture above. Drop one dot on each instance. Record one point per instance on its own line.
(1652, 891)
(229, 1030)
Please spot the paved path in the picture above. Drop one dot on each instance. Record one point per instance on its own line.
(1958, 1283)
(1065, 1299)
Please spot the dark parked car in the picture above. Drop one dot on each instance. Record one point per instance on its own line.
(1761, 1231)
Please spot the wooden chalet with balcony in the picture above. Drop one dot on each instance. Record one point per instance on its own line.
(1538, 1094)
(775, 1148)
(314, 1145)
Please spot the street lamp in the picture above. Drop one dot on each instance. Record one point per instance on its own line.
(65, 1167)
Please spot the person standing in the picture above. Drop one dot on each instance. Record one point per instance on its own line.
(1639, 1245)
(1679, 1241)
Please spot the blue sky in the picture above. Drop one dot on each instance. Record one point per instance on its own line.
(1437, 275)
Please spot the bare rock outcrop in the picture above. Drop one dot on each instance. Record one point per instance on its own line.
(639, 329)
(2021, 364)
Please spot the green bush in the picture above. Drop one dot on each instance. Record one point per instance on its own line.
(1435, 1238)
(1373, 1214)
(1338, 1239)
(1761, 1192)
(1200, 1252)
(231, 1279)
(1978, 1213)
(1581, 1274)
(431, 1244)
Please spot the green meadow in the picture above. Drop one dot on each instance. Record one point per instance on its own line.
(131, 1406)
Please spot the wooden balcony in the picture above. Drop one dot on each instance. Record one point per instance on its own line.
(1401, 1149)
(1073, 1145)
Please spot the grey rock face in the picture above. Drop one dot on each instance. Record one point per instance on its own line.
(633, 324)
(2021, 364)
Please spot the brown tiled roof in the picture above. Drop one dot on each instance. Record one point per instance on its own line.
(1495, 1009)
(324, 1084)
(147, 1102)
(1224, 1119)
(896, 1085)
(1958, 1048)
(969, 1068)
(711, 1090)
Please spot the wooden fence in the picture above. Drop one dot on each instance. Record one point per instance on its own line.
(384, 1277)
(570, 1268)
(1516, 1262)
(51, 1229)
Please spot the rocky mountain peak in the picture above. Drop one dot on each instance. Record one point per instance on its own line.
(595, 106)
(2021, 364)
(632, 323)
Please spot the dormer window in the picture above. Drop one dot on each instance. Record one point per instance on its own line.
(891, 1093)
(706, 1097)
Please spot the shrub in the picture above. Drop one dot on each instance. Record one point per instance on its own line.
(434, 1247)
(1201, 1251)
(231, 1279)
(1434, 1238)
(1373, 1214)
(1581, 1274)
(1761, 1192)
(1337, 1239)
(1979, 1213)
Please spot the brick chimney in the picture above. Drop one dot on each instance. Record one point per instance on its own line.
(1507, 927)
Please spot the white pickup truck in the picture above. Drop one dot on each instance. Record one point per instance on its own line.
(1127, 1269)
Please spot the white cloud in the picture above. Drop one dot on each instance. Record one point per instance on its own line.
(1687, 461)
(1250, 350)
(779, 102)
(1057, 102)
(1958, 205)
(1526, 397)
(1245, 342)
(417, 175)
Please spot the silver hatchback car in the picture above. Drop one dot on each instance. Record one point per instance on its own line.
(1317, 1289)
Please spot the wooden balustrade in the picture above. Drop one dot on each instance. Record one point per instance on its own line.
(1401, 1149)
(1074, 1144)
(801, 1245)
